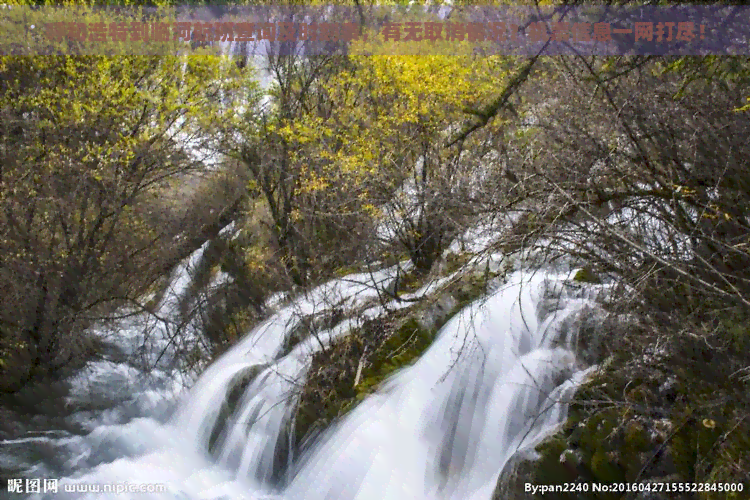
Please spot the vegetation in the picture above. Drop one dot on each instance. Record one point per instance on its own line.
(86, 142)
(636, 168)
(644, 186)
(672, 415)
(355, 366)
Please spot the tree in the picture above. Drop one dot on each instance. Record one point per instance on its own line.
(83, 142)
(655, 176)
(385, 145)
(306, 239)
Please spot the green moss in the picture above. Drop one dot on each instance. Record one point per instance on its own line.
(550, 469)
(470, 288)
(455, 261)
(401, 349)
(623, 427)
(641, 394)
(330, 391)
(636, 444)
(411, 282)
(347, 270)
(726, 468)
(229, 404)
(636, 435)
(330, 385)
(587, 275)
(683, 453)
(603, 468)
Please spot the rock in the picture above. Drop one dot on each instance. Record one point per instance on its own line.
(512, 480)
(593, 331)
(436, 313)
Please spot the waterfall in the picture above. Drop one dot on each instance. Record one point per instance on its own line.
(490, 385)
(495, 381)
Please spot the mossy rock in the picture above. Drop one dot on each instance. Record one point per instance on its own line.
(604, 468)
(624, 426)
(401, 349)
(455, 261)
(329, 386)
(470, 288)
(382, 346)
(229, 405)
(411, 281)
(549, 468)
(342, 271)
(587, 275)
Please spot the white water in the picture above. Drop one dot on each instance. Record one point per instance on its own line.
(493, 383)
(436, 432)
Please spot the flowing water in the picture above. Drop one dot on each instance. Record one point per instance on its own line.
(494, 383)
